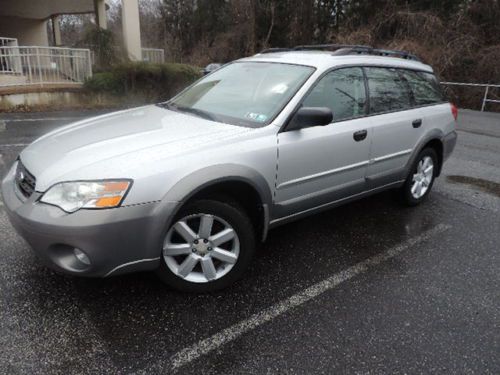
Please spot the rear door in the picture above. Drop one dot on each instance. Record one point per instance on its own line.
(321, 164)
(427, 96)
(397, 125)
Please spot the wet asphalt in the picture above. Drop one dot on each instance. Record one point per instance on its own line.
(433, 306)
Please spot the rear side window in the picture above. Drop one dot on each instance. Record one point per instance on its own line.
(388, 91)
(424, 87)
(343, 91)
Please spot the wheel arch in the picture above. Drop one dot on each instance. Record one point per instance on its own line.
(434, 140)
(243, 184)
(437, 145)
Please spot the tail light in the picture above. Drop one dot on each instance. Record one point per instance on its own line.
(454, 111)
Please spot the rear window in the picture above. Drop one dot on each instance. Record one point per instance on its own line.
(388, 91)
(424, 86)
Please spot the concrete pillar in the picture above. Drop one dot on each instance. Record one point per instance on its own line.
(131, 29)
(56, 29)
(100, 14)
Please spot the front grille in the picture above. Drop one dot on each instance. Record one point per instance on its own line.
(25, 180)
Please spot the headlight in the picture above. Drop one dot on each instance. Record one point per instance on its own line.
(71, 196)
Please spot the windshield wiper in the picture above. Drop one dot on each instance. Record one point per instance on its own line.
(165, 105)
(195, 111)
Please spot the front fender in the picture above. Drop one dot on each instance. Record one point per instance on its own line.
(197, 181)
(188, 186)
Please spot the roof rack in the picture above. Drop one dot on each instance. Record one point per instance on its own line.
(358, 50)
(314, 47)
(348, 49)
(318, 47)
(277, 49)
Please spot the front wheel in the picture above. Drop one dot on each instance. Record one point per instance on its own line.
(421, 178)
(208, 247)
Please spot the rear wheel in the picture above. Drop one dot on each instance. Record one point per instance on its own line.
(208, 246)
(419, 183)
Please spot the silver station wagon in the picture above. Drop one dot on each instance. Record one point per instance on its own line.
(188, 187)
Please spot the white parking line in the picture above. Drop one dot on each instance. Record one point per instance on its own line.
(205, 346)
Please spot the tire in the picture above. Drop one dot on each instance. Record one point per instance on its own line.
(409, 192)
(205, 249)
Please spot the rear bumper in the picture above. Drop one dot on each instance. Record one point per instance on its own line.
(119, 240)
(449, 143)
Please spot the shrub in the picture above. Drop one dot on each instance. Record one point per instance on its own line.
(141, 82)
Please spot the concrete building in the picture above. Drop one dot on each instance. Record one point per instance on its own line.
(26, 20)
(29, 65)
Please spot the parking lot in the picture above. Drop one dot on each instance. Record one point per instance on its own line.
(370, 287)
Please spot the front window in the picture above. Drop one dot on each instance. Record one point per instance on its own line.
(343, 91)
(244, 93)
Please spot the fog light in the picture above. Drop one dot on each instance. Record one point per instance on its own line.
(81, 256)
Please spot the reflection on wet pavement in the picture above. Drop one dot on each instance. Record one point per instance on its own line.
(485, 185)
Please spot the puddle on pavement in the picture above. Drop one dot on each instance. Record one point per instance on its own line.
(484, 185)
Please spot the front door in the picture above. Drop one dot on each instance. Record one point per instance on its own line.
(322, 164)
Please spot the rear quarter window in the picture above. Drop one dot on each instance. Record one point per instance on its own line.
(424, 86)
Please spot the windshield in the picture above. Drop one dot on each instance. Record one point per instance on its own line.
(246, 93)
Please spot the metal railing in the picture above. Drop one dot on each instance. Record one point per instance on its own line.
(43, 65)
(486, 86)
(153, 55)
(8, 42)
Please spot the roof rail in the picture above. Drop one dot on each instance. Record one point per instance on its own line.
(377, 52)
(277, 49)
(313, 47)
(316, 47)
(348, 49)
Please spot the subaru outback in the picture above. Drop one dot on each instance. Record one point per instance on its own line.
(188, 187)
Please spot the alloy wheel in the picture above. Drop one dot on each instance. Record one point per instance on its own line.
(422, 178)
(201, 248)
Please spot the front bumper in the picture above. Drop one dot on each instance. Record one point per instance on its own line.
(116, 241)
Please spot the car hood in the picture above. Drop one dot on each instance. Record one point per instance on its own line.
(141, 132)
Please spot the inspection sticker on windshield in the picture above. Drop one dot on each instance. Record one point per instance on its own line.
(256, 117)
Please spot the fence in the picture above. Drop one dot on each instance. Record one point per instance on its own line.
(43, 65)
(153, 55)
(486, 86)
(8, 42)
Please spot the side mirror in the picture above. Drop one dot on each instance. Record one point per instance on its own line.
(307, 117)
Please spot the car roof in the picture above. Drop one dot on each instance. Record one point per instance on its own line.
(323, 60)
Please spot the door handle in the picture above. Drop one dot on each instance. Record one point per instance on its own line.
(417, 123)
(360, 135)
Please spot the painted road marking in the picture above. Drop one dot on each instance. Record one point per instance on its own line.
(205, 346)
